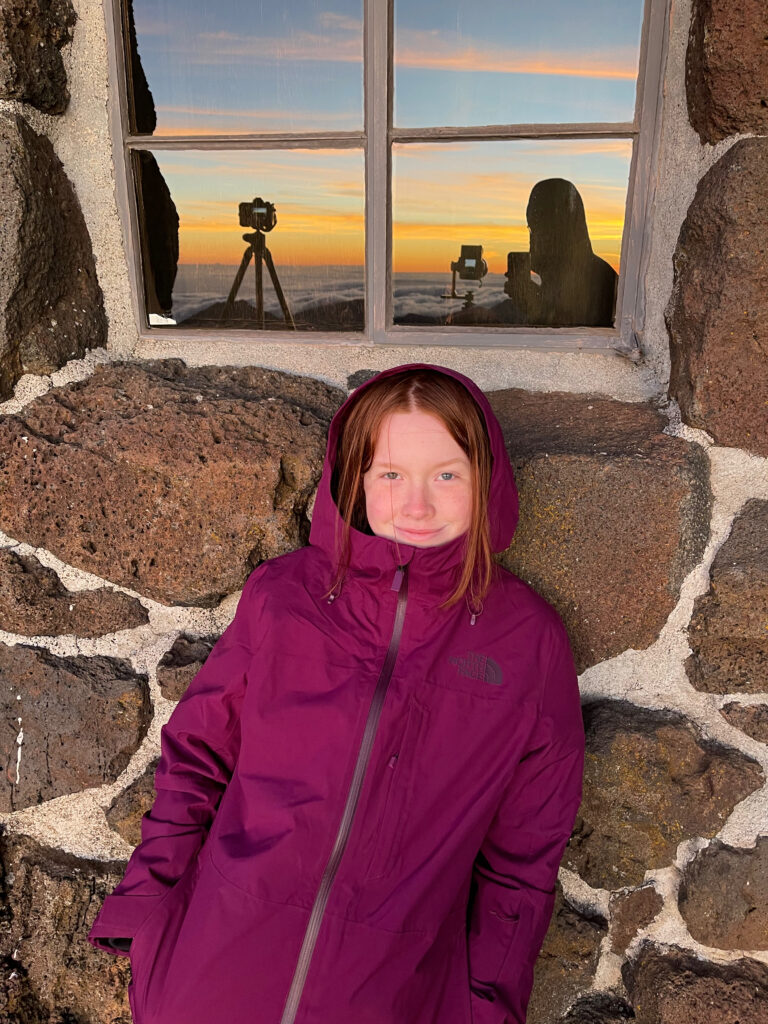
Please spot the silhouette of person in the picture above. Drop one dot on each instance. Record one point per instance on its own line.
(578, 288)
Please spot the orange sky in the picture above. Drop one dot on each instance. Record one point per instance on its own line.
(443, 196)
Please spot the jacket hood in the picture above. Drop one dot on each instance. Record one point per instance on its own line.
(372, 551)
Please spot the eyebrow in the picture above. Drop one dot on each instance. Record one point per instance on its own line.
(394, 465)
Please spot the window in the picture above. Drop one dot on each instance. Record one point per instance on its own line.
(403, 172)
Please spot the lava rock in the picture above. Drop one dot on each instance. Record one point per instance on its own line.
(727, 633)
(66, 724)
(726, 69)
(125, 812)
(32, 34)
(724, 896)
(717, 316)
(566, 964)
(614, 513)
(675, 986)
(34, 602)
(179, 666)
(51, 307)
(631, 912)
(172, 481)
(51, 974)
(750, 718)
(650, 781)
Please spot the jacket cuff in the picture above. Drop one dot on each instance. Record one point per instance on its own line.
(484, 1011)
(121, 917)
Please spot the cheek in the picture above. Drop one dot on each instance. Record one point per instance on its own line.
(459, 506)
(377, 503)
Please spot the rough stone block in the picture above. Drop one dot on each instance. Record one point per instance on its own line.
(724, 896)
(66, 724)
(172, 481)
(614, 513)
(567, 961)
(125, 812)
(676, 986)
(34, 602)
(32, 34)
(50, 973)
(718, 314)
(728, 633)
(632, 911)
(51, 307)
(179, 666)
(750, 718)
(726, 68)
(650, 781)
(598, 1008)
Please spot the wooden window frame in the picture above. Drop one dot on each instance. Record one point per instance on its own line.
(376, 141)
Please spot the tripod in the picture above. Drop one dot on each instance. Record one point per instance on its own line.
(256, 247)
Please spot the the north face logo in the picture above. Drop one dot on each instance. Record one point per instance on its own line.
(477, 666)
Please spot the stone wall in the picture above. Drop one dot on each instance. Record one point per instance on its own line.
(141, 482)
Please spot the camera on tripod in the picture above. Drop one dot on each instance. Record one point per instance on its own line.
(261, 216)
(470, 266)
(258, 214)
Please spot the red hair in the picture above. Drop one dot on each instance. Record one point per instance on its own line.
(444, 397)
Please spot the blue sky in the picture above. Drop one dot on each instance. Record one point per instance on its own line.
(296, 66)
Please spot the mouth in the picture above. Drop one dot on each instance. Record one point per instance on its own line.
(420, 534)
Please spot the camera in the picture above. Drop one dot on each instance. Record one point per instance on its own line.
(518, 273)
(258, 214)
(470, 265)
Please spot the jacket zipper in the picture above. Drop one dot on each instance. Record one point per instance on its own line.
(400, 584)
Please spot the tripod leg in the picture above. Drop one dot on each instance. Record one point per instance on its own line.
(259, 288)
(239, 275)
(278, 290)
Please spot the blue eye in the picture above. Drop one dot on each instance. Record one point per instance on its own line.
(447, 476)
(391, 475)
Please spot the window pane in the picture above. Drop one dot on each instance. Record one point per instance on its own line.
(449, 199)
(305, 207)
(234, 67)
(508, 62)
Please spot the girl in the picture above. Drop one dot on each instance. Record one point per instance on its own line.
(364, 795)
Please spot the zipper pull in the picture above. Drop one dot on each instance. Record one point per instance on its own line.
(397, 581)
(392, 761)
(473, 619)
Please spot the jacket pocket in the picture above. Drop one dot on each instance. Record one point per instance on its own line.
(399, 783)
(151, 934)
(489, 950)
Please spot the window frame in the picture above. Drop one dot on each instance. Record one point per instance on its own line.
(376, 140)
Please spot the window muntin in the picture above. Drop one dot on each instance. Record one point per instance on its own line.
(380, 140)
(510, 62)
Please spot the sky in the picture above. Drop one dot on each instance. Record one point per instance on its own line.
(297, 66)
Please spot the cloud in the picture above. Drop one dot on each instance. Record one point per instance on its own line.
(339, 39)
(329, 19)
(196, 120)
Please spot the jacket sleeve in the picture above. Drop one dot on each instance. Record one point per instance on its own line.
(199, 745)
(514, 874)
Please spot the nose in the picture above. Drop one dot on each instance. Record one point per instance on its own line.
(417, 504)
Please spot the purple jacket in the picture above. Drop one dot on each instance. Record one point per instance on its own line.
(361, 804)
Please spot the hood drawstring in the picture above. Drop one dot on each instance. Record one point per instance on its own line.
(335, 591)
(474, 612)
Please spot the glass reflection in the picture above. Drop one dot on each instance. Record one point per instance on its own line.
(513, 63)
(508, 233)
(196, 68)
(262, 240)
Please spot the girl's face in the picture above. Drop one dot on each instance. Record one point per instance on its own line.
(419, 487)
